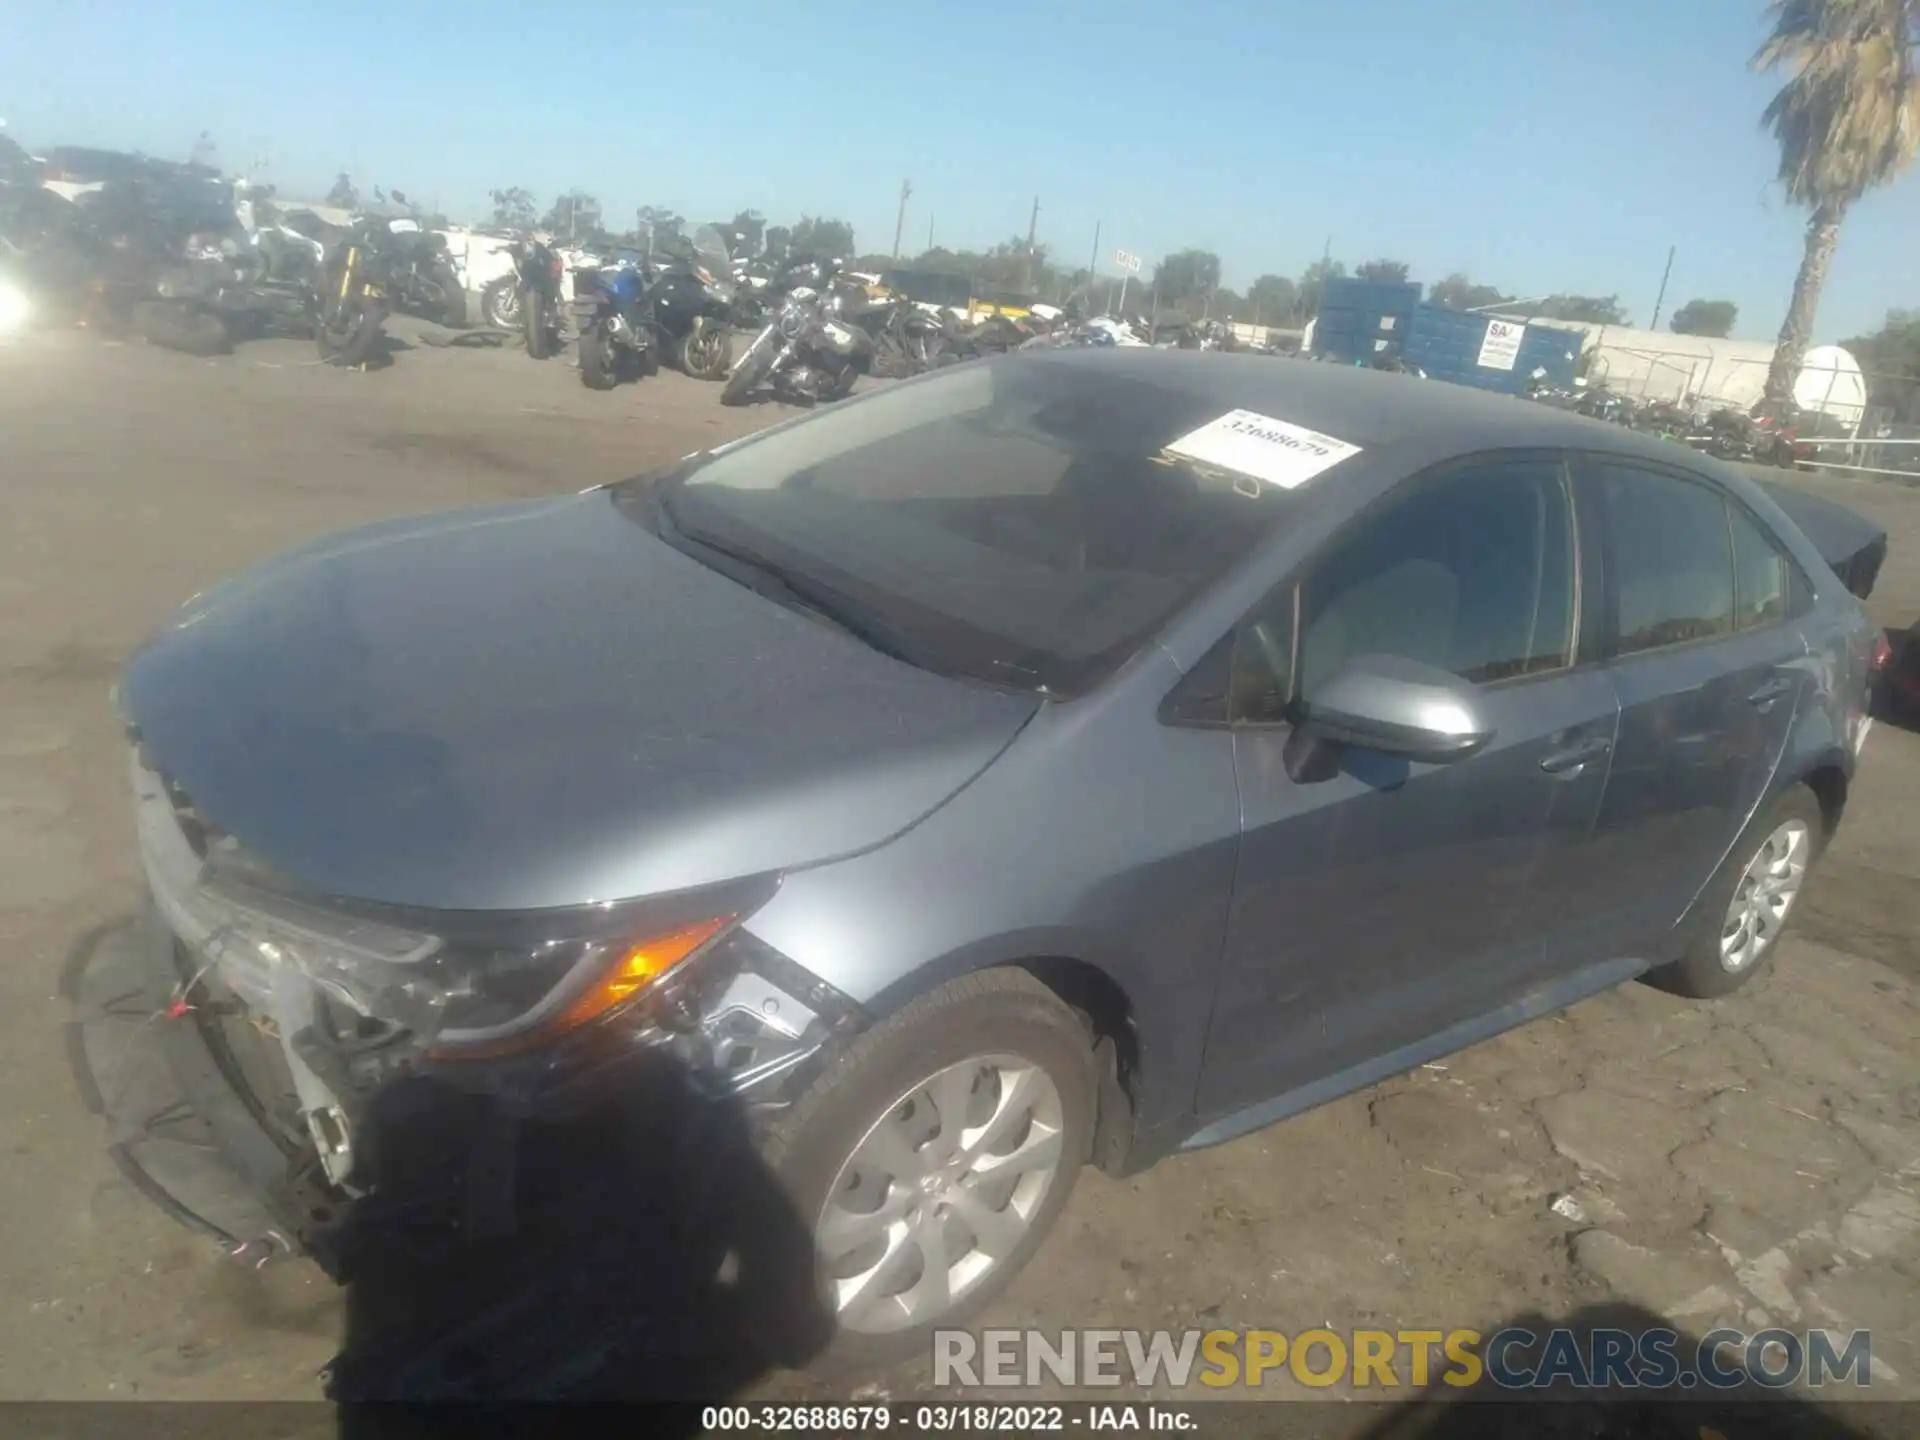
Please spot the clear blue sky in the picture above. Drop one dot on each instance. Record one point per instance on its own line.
(1537, 146)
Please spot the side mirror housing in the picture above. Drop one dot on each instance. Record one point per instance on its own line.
(1398, 707)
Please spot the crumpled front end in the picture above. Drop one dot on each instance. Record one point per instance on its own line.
(333, 1053)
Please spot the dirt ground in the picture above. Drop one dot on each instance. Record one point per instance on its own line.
(1750, 1162)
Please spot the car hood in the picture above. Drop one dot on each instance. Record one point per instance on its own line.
(536, 705)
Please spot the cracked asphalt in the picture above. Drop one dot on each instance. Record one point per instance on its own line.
(1748, 1162)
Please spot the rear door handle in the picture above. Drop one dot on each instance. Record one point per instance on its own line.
(1765, 697)
(1575, 756)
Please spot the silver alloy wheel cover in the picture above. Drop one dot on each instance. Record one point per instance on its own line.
(908, 1230)
(503, 305)
(1764, 895)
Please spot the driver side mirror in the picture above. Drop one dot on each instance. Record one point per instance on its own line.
(1398, 707)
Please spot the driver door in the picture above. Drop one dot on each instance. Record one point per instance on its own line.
(1378, 902)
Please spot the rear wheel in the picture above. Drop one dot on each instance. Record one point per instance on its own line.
(596, 359)
(1748, 905)
(933, 1155)
(453, 296)
(186, 328)
(537, 324)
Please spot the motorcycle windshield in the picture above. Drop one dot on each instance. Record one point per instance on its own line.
(710, 251)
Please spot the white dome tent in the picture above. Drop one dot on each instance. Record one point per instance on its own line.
(1658, 365)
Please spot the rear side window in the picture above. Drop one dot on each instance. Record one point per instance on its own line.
(1760, 595)
(1472, 573)
(1671, 557)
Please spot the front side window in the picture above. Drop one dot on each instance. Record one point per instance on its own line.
(1017, 521)
(1472, 573)
(1671, 557)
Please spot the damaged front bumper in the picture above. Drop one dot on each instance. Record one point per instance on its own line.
(259, 1103)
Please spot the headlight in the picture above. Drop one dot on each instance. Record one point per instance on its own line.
(15, 308)
(467, 993)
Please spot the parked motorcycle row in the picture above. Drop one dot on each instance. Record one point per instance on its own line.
(1727, 432)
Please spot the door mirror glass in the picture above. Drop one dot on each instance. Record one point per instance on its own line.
(1398, 707)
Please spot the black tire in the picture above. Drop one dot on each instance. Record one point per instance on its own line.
(992, 1012)
(747, 376)
(536, 324)
(500, 303)
(706, 351)
(348, 331)
(1699, 973)
(453, 305)
(185, 328)
(596, 359)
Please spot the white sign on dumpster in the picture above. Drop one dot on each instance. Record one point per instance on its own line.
(1501, 347)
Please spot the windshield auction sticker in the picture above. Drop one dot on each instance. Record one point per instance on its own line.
(1269, 450)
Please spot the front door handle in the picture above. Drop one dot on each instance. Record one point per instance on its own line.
(1574, 758)
(1769, 694)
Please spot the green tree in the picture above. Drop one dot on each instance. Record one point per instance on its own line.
(1712, 318)
(1312, 281)
(1275, 299)
(205, 152)
(779, 243)
(1186, 277)
(1847, 120)
(1589, 309)
(1394, 270)
(512, 208)
(751, 227)
(659, 227)
(343, 196)
(819, 236)
(1890, 358)
(1457, 292)
(575, 215)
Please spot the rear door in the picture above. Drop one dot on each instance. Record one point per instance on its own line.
(1377, 902)
(1708, 666)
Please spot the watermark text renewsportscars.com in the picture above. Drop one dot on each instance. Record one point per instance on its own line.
(1513, 1358)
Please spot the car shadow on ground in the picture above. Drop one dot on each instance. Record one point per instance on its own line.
(652, 1258)
(1747, 1410)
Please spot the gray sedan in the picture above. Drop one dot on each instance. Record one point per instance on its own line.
(1072, 757)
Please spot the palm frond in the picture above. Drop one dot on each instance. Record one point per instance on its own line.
(1848, 116)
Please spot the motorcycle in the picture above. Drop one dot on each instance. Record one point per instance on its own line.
(617, 331)
(689, 304)
(536, 285)
(806, 352)
(424, 280)
(225, 287)
(354, 301)
(907, 339)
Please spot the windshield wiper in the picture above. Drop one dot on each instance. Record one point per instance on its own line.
(787, 587)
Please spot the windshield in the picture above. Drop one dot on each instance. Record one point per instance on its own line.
(710, 250)
(1013, 519)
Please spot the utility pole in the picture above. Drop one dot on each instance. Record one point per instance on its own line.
(929, 232)
(900, 221)
(1661, 299)
(1033, 224)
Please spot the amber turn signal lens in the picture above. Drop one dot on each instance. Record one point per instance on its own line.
(639, 965)
(637, 968)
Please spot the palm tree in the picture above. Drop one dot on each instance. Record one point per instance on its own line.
(1848, 121)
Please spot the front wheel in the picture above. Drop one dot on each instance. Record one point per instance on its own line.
(1747, 906)
(348, 330)
(753, 369)
(500, 303)
(931, 1157)
(596, 358)
(706, 350)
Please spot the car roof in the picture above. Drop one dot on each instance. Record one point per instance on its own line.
(1409, 421)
